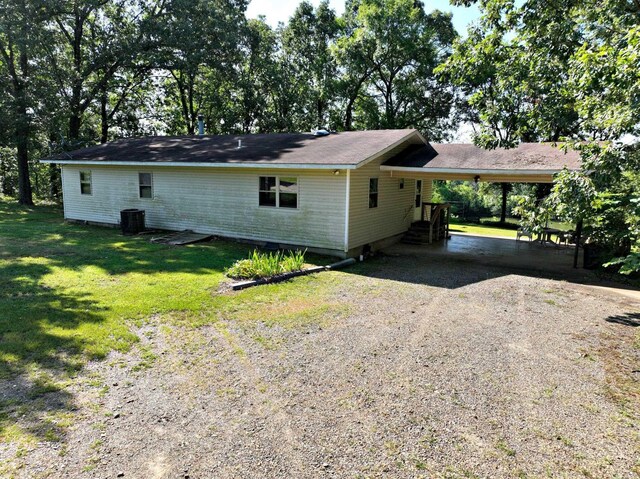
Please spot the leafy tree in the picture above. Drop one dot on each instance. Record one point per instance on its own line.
(246, 101)
(88, 49)
(352, 52)
(580, 60)
(18, 40)
(399, 46)
(514, 87)
(306, 42)
(193, 37)
(256, 77)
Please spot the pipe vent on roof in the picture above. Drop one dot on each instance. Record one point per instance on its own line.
(239, 144)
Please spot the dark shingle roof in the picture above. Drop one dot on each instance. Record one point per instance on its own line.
(338, 149)
(459, 156)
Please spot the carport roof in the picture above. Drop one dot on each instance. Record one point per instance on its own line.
(533, 158)
(538, 158)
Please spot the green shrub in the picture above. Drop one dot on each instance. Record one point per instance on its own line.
(264, 265)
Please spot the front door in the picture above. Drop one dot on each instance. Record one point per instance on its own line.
(418, 205)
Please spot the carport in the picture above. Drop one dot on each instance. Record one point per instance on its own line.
(526, 163)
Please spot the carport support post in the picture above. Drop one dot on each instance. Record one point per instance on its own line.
(578, 237)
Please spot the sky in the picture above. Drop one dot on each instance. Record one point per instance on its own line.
(280, 10)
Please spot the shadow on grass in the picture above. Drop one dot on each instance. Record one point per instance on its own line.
(48, 333)
(34, 352)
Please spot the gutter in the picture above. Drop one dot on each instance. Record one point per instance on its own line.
(469, 171)
(147, 164)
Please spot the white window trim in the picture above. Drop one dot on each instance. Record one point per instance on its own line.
(377, 192)
(90, 182)
(151, 185)
(277, 205)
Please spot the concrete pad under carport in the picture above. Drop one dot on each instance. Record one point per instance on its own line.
(493, 251)
(467, 259)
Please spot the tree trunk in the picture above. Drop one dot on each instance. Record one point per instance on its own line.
(104, 118)
(24, 184)
(348, 119)
(506, 187)
(25, 196)
(54, 182)
(320, 112)
(74, 124)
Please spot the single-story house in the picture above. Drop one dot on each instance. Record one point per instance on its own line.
(336, 193)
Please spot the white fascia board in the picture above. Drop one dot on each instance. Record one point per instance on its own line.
(391, 147)
(147, 164)
(467, 171)
(422, 137)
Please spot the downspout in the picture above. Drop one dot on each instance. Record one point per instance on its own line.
(347, 206)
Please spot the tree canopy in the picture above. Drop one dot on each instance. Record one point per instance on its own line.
(563, 71)
(77, 73)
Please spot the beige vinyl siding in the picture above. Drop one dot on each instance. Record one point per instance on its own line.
(394, 213)
(220, 201)
(427, 190)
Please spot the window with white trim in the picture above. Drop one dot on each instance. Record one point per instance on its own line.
(373, 192)
(145, 184)
(85, 183)
(278, 191)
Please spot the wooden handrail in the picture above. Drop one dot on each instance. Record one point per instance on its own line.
(434, 217)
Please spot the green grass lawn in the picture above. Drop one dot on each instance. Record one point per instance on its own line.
(72, 293)
(458, 226)
(491, 226)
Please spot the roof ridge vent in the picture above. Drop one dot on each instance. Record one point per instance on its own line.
(321, 132)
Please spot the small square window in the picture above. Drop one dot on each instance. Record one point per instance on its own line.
(85, 183)
(373, 192)
(281, 192)
(145, 182)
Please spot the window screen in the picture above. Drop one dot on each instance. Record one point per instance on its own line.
(145, 180)
(85, 182)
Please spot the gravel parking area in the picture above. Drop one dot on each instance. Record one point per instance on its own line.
(429, 368)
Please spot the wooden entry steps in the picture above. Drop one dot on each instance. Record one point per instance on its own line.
(434, 225)
(418, 233)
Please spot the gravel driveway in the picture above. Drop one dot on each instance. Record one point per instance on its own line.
(433, 368)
